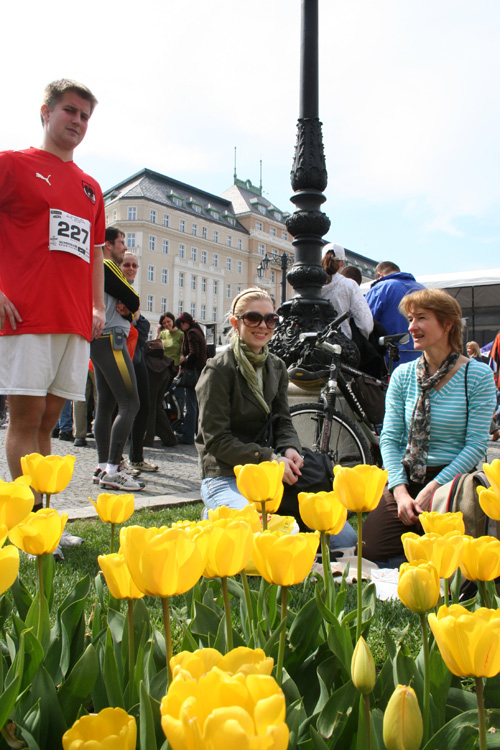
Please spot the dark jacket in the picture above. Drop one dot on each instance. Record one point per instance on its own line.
(194, 348)
(231, 417)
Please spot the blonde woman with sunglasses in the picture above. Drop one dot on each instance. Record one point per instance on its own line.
(238, 391)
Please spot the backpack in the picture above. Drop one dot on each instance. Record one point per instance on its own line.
(461, 495)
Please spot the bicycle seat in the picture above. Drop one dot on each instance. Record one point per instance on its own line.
(307, 378)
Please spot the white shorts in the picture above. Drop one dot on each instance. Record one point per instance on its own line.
(34, 364)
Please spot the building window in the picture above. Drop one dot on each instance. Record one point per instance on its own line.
(114, 215)
(284, 236)
(152, 242)
(203, 284)
(240, 244)
(163, 305)
(197, 208)
(194, 253)
(165, 247)
(194, 229)
(204, 256)
(131, 213)
(193, 282)
(214, 313)
(203, 312)
(131, 239)
(216, 235)
(152, 216)
(229, 240)
(164, 276)
(240, 266)
(151, 273)
(182, 225)
(228, 264)
(238, 289)
(150, 303)
(259, 226)
(193, 310)
(181, 280)
(261, 209)
(262, 249)
(228, 290)
(204, 233)
(273, 276)
(165, 220)
(277, 215)
(216, 260)
(215, 287)
(182, 249)
(272, 231)
(177, 201)
(179, 307)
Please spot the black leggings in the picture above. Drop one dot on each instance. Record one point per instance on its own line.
(116, 385)
(136, 453)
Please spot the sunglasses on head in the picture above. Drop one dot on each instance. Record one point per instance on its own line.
(130, 265)
(253, 319)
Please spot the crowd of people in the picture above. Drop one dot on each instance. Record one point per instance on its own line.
(100, 371)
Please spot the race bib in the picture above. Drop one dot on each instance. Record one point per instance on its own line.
(69, 234)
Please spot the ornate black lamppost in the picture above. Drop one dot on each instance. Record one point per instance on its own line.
(284, 261)
(307, 310)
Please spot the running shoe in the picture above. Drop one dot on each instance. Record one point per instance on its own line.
(120, 481)
(127, 468)
(97, 475)
(144, 466)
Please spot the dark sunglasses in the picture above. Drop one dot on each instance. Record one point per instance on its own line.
(130, 265)
(254, 319)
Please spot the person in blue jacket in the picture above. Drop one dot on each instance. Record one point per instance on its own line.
(390, 286)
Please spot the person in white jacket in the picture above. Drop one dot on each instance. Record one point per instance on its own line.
(343, 293)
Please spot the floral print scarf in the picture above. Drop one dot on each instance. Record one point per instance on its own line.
(415, 457)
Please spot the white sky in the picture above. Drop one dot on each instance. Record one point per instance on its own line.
(408, 98)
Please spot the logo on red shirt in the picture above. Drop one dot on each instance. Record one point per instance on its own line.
(89, 191)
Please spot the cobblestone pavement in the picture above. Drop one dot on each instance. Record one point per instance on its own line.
(177, 480)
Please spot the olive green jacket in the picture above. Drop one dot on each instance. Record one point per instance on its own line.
(230, 417)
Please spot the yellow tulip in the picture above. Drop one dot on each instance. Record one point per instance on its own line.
(9, 567)
(3, 534)
(489, 502)
(359, 488)
(118, 578)
(113, 508)
(225, 545)
(403, 727)
(322, 511)
(469, 642)
(220, 710)
(249, 514)
(241, 660)
(492, 472)
(443, 550)
(363, 667)
(40, 533)
(162, 562)
(284, 559)
(16, 502)
(49, 474)
(418, 585)
(442, 523)
(261, 483)
(480, 558)
(110, 729)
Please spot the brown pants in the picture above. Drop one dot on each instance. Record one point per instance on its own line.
(382, 528)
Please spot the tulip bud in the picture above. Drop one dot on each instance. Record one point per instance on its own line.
(363, 667)
(403, 727)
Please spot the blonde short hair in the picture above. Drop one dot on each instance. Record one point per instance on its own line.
(443, 305)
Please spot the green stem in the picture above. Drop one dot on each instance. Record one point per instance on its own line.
(47, 499)
(327, 571)
(447, 596)
(112, 537)
(455, 590)
(480, 713)
(366, 707)
(485, 599)
(264, 516)
(168, 636)
(41, 609)
(227, 612)
(281, 648)
(130, 613)
(360, 557)
(248, 598)
(427, 676)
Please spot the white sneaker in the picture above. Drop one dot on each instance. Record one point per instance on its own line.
(68, 540)
(119, 481)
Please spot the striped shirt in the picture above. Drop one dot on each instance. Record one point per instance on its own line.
(457, 441)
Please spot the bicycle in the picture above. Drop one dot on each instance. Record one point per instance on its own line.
(323, 428)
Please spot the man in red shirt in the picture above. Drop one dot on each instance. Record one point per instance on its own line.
(52, 228)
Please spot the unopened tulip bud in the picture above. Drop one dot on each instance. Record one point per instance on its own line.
(403, 727)
(363, 667)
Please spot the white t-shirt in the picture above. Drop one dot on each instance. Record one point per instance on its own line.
(345, 295)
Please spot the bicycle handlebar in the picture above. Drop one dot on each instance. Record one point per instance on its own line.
(395, 338)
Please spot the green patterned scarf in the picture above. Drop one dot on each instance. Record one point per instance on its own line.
(252, 365)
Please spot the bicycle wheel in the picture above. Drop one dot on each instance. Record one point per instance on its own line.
(347, 446)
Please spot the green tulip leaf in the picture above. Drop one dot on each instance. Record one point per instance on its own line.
(22, 598)
(492, 692)
(78, 686)
(206, 621)
(159, 685)
(340, 643)
(8, 699)
(48, 568)
(304, 630)
(147, 734)
(114, 688)
(317, 740)
(52, 721)
(461, 733)
(117, 622)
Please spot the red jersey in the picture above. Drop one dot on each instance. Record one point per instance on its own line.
(51, 216)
